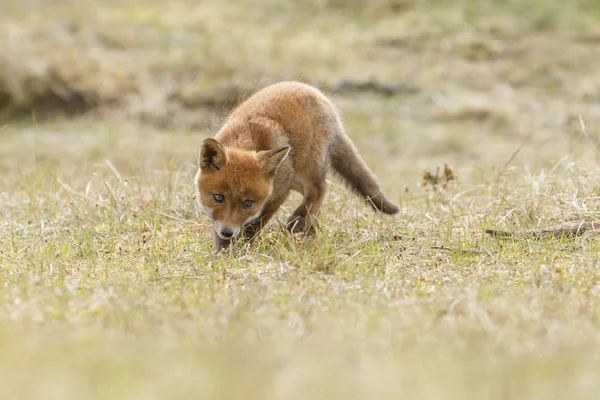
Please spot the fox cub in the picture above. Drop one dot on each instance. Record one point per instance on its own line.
(282, 138)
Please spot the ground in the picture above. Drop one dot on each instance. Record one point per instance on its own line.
(110, 289)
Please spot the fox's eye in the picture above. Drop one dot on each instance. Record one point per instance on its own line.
(247, 204)
(219, 198)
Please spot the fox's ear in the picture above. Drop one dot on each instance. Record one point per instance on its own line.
(270, 160)
(212, 156)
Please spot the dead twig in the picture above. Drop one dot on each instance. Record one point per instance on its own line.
(565, 230)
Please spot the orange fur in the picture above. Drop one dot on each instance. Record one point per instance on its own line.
(282, 138)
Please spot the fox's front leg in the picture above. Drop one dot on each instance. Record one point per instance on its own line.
(254, 228)
(221, 244)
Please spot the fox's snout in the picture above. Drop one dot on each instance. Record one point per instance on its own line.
(226, 232)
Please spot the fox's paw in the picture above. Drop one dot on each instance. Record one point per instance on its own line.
(297, 224)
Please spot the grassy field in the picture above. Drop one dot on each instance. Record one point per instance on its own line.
(109, 287)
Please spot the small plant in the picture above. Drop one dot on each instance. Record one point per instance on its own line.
(438, 180)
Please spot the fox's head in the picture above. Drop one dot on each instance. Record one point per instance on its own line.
(233, 185)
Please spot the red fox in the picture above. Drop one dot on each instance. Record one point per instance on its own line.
(282, 138)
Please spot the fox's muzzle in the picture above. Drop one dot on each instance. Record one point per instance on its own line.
(226, 232)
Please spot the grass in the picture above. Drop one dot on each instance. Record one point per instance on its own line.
(109, 286)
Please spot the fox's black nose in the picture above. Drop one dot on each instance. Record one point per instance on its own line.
(227, 232)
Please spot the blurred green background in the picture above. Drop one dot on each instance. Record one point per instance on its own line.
(166, 62)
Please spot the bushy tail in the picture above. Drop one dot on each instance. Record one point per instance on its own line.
(346, 161)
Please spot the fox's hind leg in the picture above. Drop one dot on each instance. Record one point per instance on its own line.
(303, 219)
